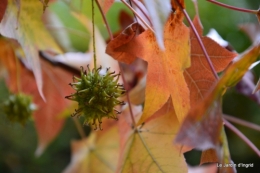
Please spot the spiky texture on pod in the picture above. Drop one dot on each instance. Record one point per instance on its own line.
(19, 108)
(96, 96)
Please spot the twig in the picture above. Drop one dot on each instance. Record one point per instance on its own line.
(127, 96)
(242, 136)
(93, 28)
(79, 127)
(233, 8)
(137, 5)
(242, 122)
(105, 20)
(148, 26)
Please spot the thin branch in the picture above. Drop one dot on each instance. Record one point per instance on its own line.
(200, 43)
(233, 8)
(94, 38)
(105, 20)
(242, 136)
(79, 127)
(138, 6)
(148, 26)
(242, 122)
(127, 95)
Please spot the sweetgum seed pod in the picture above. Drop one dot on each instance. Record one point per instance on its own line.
(97, 95)
(19, 108)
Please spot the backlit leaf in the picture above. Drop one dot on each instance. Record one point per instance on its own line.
(149, 148)
(165, 68)
(96, 154)
(47, 117)
(159, 12)
(23, 23)
(199, 76)
(195, 124)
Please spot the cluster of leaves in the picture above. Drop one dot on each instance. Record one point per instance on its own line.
(175, 105)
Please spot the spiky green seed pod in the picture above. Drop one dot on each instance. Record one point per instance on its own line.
(97, 95)
(19, 108)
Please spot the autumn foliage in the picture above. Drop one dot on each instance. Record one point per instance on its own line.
(175, 79)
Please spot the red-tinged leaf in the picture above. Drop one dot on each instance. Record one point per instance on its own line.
(149, 148)
(199, 76)
(48, 120)
(209, 156)
(165, 68)
(199, 125)
(105, 4)
(22, 21)
(96, 154)
(7, 61)
(3, 5)
(159, 12)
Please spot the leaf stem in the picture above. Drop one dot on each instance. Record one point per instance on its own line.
(201, 44)
(242, 122)
(146, 24)
(105, 20)
(242, 136)
(232, 7)
(93, 37)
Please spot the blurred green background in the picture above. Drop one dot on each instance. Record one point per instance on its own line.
(18, 143)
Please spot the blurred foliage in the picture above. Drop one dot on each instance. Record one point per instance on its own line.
(18, 143)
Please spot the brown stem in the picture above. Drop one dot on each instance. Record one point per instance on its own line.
(146, 24)
(242, 122)
(242, 136)
(147, 17)
(127, 96)
(232, 7)
(105, 20)
(79, 127)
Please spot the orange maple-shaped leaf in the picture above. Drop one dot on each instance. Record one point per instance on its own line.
(199, 76)
(201, 127)
(48, 121)
(96, 154)
(165, 68)
(149, 147)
